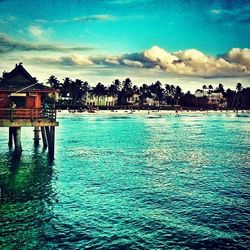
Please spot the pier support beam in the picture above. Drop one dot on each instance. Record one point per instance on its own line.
(17, 141)
(10, 143)
(36, 136)
(50, 134)
(44, 137)
(52, 142)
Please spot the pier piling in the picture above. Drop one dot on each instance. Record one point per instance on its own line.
(36, 136)
(44, 137)
(10, 143)
(52, 142)
(17, 141)
(50, 134)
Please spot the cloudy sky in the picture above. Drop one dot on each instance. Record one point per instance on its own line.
(183, 42)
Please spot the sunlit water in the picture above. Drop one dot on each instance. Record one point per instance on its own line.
(130, 183)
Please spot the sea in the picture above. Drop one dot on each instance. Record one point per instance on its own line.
(129, 182)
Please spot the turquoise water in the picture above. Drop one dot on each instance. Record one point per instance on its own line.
(130, 183)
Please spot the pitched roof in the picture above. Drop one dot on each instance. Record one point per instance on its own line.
(19, 79)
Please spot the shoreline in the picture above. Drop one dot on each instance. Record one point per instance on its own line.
(148, 112)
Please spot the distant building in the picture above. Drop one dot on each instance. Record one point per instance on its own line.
(217, 99)
(133, 100)
(214, 98)
(93, 100)
(150, 101)
(200, 93)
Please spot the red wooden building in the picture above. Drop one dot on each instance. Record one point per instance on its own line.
(19, 87)
(20, 106)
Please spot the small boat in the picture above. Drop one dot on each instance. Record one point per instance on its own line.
(153, 116)
(243, 115)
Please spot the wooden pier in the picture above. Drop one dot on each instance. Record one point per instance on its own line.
(42, 120)
(22, 105)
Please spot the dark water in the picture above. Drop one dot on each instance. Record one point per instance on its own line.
(130, 183)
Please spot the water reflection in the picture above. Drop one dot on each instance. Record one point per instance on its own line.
(27, 192)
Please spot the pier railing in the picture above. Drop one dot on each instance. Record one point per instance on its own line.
(32, 114)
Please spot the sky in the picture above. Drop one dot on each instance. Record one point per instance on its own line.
(181, 42)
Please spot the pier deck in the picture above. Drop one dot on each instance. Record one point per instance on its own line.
(43, 120)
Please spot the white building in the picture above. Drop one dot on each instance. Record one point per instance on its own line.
(214, 98)
(93, 100)
(133, 100)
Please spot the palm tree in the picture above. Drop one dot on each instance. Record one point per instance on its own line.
(54, 82)
(172, 93)
(126, 91)
(157, 90)
(144, 93)
(117, 83)
(210, 87)
(76, 87)
(221, 88)
(65, 89)
(114, 88)
(239, 86)
(85, 87)
(167, 89)
(204, 87)
(178, 90)
(237, 95)
(99, 90)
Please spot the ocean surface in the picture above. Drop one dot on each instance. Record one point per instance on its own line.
(130, 182)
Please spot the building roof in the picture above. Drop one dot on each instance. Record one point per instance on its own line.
(19, 79)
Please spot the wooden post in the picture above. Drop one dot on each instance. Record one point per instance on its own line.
(36, 136)
(10, 137)
(51, 141)
(49, 134)
(17, 141)
(44, 137)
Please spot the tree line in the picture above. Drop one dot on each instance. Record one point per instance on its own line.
(169, 94)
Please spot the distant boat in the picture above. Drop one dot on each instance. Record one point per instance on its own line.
(153, 116)
(243, 114)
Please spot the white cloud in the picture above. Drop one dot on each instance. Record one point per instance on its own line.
(112, 60)
(81, 19)
(132, 63)
(125, 2)
(192, 62)
(70, 60)
(75, 60)
(36, 31)
(157, 54)
(215, 11)
(239, 56)
(10, 45)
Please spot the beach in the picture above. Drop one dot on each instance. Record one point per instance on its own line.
(120, 112)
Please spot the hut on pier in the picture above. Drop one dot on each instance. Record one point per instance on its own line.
(20, 106)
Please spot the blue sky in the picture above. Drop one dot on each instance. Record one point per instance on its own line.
(183, 42)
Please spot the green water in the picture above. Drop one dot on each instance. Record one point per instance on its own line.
(130, 183)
